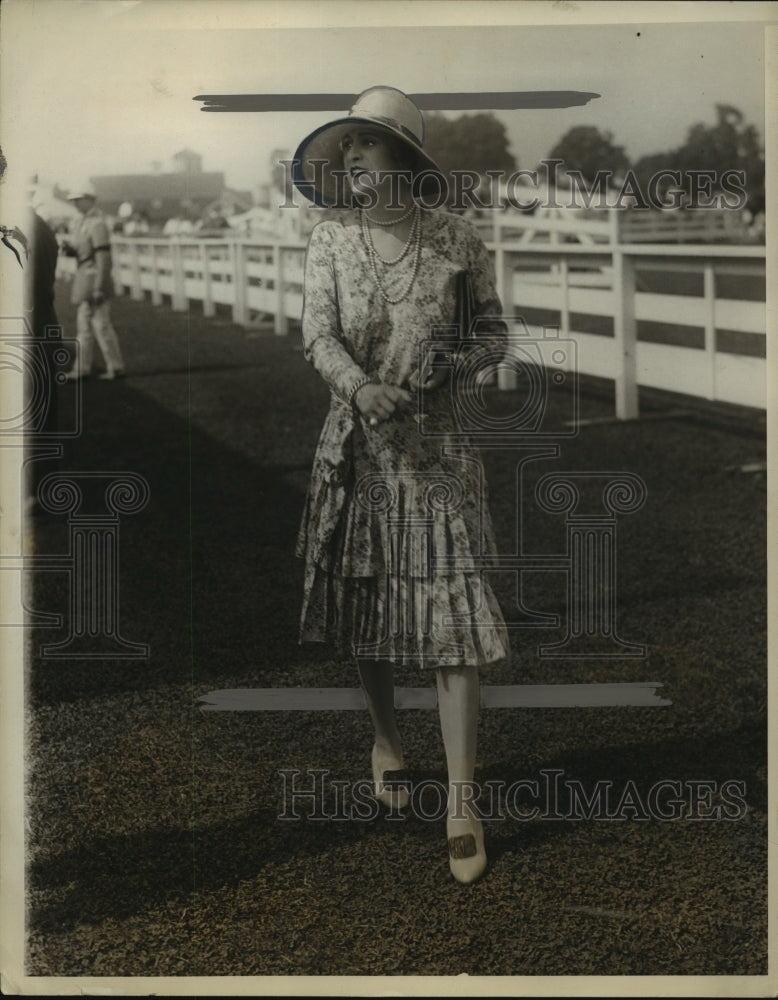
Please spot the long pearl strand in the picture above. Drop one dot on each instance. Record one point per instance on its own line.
(413, 244)
(406, 248)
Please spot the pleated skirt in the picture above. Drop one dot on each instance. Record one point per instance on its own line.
(396, 536)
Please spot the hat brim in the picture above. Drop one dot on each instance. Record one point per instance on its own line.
(317, 168)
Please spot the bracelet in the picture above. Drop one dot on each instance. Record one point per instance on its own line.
(359, 384)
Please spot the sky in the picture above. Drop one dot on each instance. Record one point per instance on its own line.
(113, 80)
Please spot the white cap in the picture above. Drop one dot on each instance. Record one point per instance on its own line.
(82, 191)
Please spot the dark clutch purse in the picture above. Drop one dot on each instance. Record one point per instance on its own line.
(465, 308)
(473, 327)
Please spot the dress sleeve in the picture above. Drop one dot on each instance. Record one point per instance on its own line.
(323, 344)
(490, 329)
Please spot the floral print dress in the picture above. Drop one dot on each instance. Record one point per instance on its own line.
(396, 530)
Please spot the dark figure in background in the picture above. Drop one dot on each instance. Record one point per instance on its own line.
(35, 248)
(39, 278)
(46, 336)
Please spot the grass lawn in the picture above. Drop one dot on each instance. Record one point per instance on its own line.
(155, 844)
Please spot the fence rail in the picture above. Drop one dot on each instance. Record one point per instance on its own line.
(688, 319)
(613, 225)
(695, 225)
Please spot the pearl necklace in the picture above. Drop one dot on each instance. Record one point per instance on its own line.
(368, 236)
(414, 241)
(390, 222)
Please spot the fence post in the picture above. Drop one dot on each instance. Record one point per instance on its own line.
(178, 298)
(613, 220)
(208, 307)
(136, 289)
(506, 374)
(281, 322)
(625, 334)
(64, 270)
(239, 311)
(709, 293)
(156, 294)
(564, 306)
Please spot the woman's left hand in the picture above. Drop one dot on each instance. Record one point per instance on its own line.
(428, 378)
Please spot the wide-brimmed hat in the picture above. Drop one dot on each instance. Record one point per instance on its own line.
(385, 108)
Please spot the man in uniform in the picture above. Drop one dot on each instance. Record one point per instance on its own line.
(93, 288)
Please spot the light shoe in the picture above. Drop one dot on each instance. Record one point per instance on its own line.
(112, 374)
(74, 375)
(387, 786)
(466, 851)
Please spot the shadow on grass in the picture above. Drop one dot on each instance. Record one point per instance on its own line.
(206, 569)
(117, 876)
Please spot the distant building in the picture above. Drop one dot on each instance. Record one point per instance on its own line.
(185, 191)
(159, 196)
(187, 162)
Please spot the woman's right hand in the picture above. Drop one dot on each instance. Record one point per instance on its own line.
(378, 401)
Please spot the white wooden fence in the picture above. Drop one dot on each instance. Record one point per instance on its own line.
(569, 285)
(581, 284)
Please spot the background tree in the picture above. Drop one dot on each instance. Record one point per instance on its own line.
(587, 149)
(646, 166)
(470, 142)
(730, 144)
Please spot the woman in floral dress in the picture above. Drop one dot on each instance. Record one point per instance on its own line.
(396, 528)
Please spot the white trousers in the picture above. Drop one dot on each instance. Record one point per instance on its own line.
(94, 323)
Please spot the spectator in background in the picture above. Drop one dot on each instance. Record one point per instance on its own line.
(39, 276)
(93, 288)
(136, 225)
(178, 225)
(214, 220)
(171, 226)
(124, 213)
